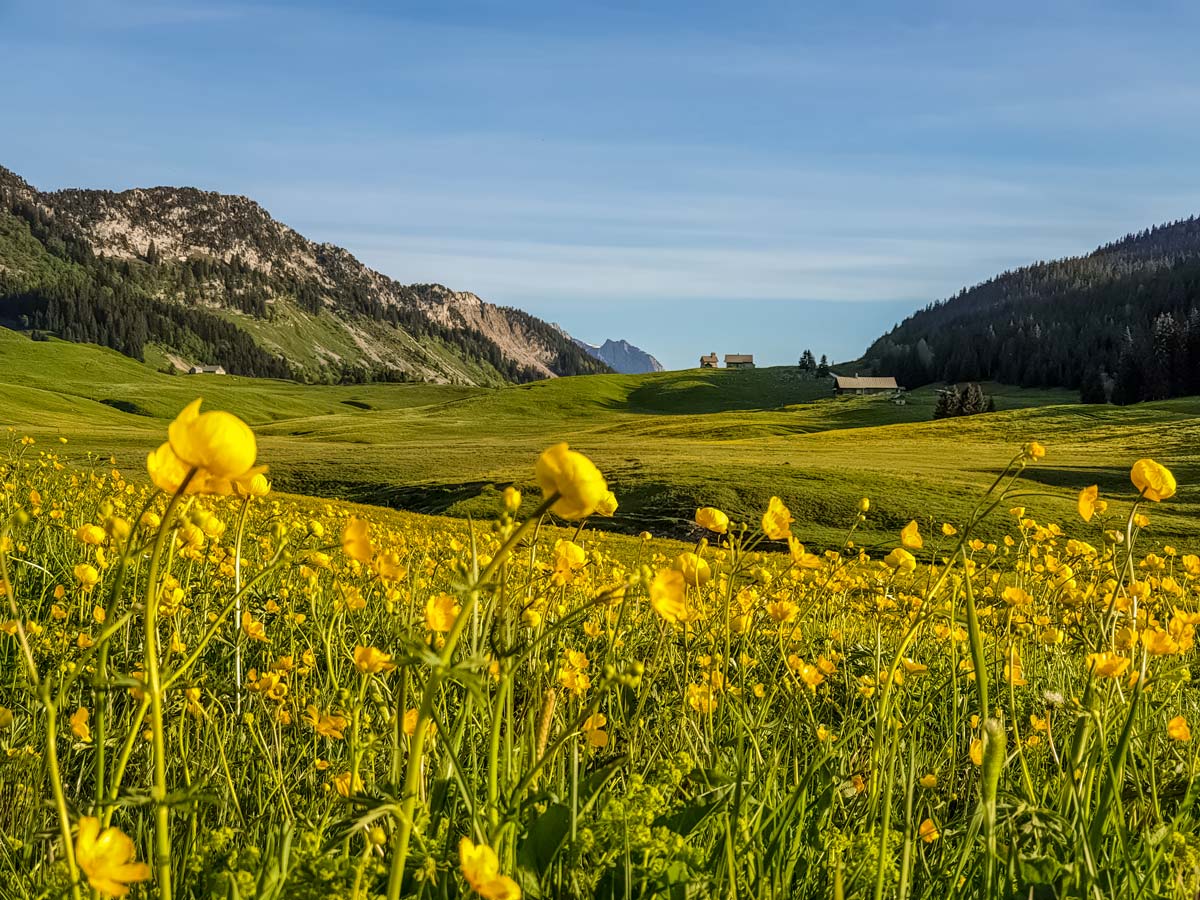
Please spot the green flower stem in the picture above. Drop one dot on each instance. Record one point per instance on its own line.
(416, 751)
(154, 690)
(48, 703)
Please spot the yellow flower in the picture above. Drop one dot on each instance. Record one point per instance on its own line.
(569, 558)
(1087, 502)
(1155, 482)
(372, 661)
(777, 520)
(440, 612)
(910, 536)
(1177, 729)
(330, 726)
(1160, 642)
(166, 470)
(356, 541)
(901, 560)
(1014, 672)
(1015, 596)
(1034, 450)
(512, 499)
(1107, 665)
(108, 858)
(807, 672)
(929, 782)
(782, 611)
(976, 751)
(91, 534)
(928, 831)
(801, 557)
(593, 730)
(695, 570)
(666, 596)
(253, 629)
(481, 868)
(216, 442)
(574, 478)
(342, 784)
(87, 576)
(713, 519)
(700, 697)
(256, 485)
(949, 530)
(79, 724)
(607, 505)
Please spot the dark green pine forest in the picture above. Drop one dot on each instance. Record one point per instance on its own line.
(1121, 324)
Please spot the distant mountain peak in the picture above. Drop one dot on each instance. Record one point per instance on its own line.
(622, 356)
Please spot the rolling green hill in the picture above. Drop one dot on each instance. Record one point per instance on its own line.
(668, 441)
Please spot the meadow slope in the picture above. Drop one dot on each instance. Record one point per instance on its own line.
(668, 442)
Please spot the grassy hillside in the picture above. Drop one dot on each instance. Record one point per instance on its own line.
(668, 442)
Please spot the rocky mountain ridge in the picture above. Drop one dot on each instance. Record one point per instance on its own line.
(312, 305)
(622, 356)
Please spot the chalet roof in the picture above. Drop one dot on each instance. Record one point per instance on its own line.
(739, 357)
(854, 383)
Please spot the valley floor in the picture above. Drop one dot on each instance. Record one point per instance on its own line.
(669, 441)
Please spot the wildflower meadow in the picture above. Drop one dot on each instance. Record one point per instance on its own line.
(210, 690)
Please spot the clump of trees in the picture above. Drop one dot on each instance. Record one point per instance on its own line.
(968, 400)
(809, 366)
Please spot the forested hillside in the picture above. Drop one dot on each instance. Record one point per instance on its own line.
(1121, 323)
(210, 278)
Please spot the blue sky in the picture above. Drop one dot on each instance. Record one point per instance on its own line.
(738, 177)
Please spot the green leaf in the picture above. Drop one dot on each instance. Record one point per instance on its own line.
(545, 838)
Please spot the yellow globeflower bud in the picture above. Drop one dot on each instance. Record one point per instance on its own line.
(166, 469)
(695, 569)
(90, 534)
(86, 575)
(256, 485)
(713, 519)
(607, 505)
(1155, 482)
(579, 485)
(218, 442)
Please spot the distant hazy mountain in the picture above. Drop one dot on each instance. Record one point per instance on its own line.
(622, 356)
(209, 278)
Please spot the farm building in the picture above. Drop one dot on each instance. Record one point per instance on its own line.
(710, 361)
(846, 384)
(206, 370)
(739, 361)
